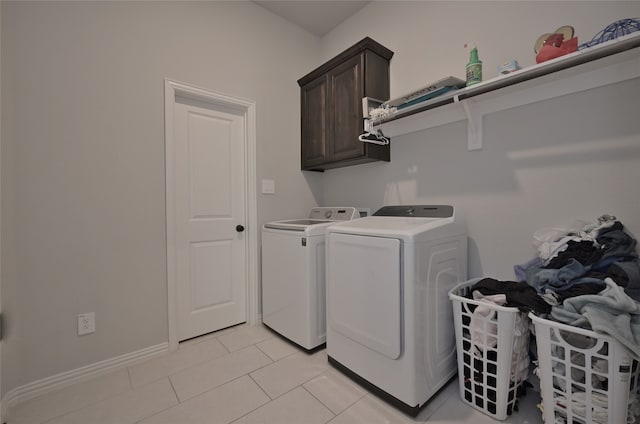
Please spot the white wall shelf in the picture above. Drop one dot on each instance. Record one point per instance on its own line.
(603, 64)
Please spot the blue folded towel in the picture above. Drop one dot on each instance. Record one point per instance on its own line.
(610, 312)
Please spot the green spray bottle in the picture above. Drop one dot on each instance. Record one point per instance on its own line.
(474, 68)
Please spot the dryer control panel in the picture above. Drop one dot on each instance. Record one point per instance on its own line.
(418, 211)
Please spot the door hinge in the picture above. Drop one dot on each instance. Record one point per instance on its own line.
(304, 241)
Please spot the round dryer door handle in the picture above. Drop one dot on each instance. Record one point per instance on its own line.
(239, 228)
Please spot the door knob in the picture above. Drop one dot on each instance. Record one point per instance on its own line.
(239, 228)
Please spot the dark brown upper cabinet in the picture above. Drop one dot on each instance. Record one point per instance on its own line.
(331, 107)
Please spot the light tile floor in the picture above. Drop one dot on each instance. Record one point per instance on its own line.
(242, 375)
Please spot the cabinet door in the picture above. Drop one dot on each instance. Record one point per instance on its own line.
(315, 112)
(345, 125)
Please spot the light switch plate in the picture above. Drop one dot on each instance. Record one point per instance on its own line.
(268, 187)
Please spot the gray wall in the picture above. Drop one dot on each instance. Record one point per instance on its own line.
(544, 164)
(83, 189)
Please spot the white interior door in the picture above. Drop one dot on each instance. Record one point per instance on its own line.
(210, 247)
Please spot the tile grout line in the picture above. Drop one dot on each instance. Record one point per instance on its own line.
(202, 394)
(234, 378)
(222, 343)
(244, 347)
(316, 398)
(175, 392)
(130, 380)
(348, 406)
(165, 409)
(278, 397)
(293, 388)
(195, 364)
(257, 407)
(269, 336)
(274, 360)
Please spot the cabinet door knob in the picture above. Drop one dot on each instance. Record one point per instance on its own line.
(239, 228)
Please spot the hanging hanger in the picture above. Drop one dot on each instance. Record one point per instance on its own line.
(374, 137)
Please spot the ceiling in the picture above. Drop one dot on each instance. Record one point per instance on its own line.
(317, 17)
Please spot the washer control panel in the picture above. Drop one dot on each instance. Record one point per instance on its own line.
(334, 213)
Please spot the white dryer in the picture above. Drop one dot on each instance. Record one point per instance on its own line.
(293, 274)
(389, 318)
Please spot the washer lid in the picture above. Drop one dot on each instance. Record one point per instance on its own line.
(319, 218)
(298, 224)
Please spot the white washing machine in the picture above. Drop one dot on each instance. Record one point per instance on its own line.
(293, 274)
(389, 318)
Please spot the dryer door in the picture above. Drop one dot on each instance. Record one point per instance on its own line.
(364, 291)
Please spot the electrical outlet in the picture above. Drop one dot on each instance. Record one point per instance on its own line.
(86, 323)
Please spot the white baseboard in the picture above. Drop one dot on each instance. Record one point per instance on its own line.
(58, 381)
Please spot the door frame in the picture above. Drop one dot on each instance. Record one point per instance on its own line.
(173, 89)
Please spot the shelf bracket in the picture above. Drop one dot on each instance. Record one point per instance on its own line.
(474, 123)
(368, 125)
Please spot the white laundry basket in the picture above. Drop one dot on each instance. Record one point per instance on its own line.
(585, 377)
(488, 337)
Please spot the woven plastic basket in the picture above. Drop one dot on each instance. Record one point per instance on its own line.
(585, 377)
(488, 337)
